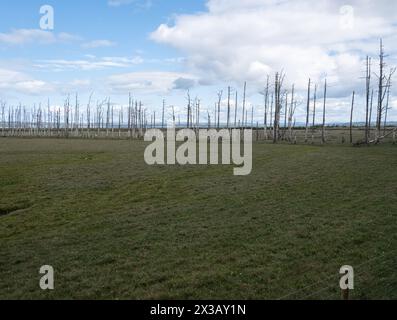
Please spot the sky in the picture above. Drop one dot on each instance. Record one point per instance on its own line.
(160, 49)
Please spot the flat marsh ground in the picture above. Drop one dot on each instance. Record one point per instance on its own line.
(115, 228)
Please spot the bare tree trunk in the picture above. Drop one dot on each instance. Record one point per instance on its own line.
(314, 112)
(285, 116)
(368, 87)
(370, 114)
(188, 110)
(163, 116)
(266, 108)
(244, 97)
(386, 110)
(219, 107)
(235, 110)
(291, 114)
(252, 117)
(307, 112)
(380, 92)
(277, 106)
(351, 118)
(324, 115)
(228, 108)
(271, 114)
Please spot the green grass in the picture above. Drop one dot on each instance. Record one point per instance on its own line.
(115, 228)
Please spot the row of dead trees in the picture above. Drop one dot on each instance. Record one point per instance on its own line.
(279, 121)
(384, 82)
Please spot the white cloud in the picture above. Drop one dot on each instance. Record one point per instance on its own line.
(91, 63)
(141, 4)
(26, 36)
(145, 82)
(15, 81)
(98, 44)
(246, 40)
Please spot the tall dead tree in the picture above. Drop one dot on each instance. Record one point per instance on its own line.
(277, 105)
(252, 117)
(3, 106)
(163, 116)
(215, 113)
(314, 112)
(291, 113)
(129, 111)
(228, 108)
(266, 95)
(324, 110)
(76, 114)
(285, 116)
(370, 114)
(307, 111)
(220, 93)
(244, 100)
(108, 118)
(235, 110)
(66, 116)
(351, 117)
(386, 110)
(367, 100)
(383, 87)
(380, 91)
(89, 114)
(189, 110)
(198, 105)
(271, 114)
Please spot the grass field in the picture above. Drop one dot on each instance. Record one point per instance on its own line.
(115, 228)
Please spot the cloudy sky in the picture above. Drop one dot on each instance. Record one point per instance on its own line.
(159, 49)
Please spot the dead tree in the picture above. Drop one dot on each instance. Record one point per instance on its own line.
(266, 94)
(66, 117)
(291, 113)
(370, 115)
(163, 115)
(108, 118)
(244, 100)
(285, 116)
(324, 115)
(76, 114)
(277, 105)
(198, 105)
(351, 118)
(220, 93)
(228, 108)
(383, 87)
(188, 110)
(252, 117)
(215, 113)
(3, 106)
(89, 114)
(386, 110)
(367, 102)
(235, 110)
(271, 113)
(314, 112)
(307, 111)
